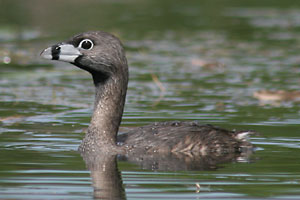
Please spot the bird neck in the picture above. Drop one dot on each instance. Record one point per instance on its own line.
(108, 109)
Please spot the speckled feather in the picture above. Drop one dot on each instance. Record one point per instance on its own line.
(184, 137)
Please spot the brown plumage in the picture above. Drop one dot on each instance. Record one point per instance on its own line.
(102, 55)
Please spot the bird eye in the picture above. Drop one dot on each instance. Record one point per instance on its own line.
(86, 44)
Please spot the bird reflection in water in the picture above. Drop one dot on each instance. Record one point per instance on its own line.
(107, 180)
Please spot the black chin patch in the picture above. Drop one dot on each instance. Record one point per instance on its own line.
(99, 77)
(55, 51)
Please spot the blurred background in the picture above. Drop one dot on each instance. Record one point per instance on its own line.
(230, 63)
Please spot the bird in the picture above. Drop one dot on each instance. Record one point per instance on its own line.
(102, 55)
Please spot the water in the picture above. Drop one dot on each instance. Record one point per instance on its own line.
(196, 60)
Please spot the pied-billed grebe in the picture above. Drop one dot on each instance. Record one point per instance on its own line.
(102, 55)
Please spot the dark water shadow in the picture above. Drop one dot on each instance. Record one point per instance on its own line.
(107, 180)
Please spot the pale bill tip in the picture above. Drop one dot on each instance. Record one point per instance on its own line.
(46, 53)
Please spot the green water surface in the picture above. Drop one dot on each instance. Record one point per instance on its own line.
(210, 56)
